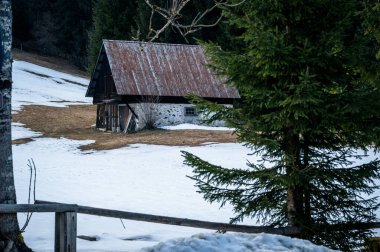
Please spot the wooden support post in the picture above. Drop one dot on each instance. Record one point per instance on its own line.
(98, 116)
(65, 232)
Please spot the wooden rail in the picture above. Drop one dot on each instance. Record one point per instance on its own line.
(176, 221)
(66, 221)
(40, 208)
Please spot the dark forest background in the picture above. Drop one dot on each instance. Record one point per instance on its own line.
(73, 29)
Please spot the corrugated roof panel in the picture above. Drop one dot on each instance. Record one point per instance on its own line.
(164, 70)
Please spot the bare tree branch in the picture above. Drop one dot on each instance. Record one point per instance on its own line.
(172, 16)
(32, 169)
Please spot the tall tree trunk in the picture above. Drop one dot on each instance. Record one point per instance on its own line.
(298, 195)
(10, 236)
(307, 195)
(291, 207)
(294, 191)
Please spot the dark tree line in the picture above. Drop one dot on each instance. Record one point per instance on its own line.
(73, 29)
(130, 20)
(53, 27)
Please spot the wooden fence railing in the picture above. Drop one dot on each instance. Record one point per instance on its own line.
(66, 221)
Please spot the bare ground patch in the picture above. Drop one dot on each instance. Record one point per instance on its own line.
(74, 122)
(21, 141)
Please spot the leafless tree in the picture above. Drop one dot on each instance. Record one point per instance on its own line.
(10, 235)
(148, 111)
(172, 14)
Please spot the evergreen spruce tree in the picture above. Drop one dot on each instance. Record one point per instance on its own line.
(142, 20)
(37, 25)
(309, 80)
(72, 20)
(21, 22)
(372, 21)
(112, 19)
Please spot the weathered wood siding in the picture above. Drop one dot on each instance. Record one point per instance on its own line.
(105, 89)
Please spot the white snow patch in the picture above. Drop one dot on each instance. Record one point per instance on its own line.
(187, 126)
(237, 243)
(19, 132)
(38, 85)
(140, 178)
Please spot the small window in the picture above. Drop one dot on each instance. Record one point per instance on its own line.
(190, 111)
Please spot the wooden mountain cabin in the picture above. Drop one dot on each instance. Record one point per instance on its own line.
(138, 84)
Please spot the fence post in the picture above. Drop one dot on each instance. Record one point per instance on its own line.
(65, 232)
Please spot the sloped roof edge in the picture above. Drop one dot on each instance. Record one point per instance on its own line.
(159, 69)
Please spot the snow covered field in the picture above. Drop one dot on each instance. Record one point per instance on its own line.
(42, 86)
(139, 178)
(237, 242)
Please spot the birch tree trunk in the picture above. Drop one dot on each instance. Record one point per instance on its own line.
(10, 236)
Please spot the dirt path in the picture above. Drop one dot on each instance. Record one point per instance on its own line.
(75, 122)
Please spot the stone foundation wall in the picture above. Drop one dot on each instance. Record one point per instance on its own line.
(165, 114)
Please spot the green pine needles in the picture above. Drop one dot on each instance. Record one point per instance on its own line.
(308, 76)
(112, 19)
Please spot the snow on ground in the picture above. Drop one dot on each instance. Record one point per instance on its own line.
(42, 86)
(238, 243)
(193, 127)
(19, 132)
(140, 178)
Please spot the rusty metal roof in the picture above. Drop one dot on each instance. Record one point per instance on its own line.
(140, 68)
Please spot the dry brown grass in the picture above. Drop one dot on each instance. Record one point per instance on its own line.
(75, 122)
(57, 64)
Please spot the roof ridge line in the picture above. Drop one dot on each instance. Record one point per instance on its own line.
(145, 42)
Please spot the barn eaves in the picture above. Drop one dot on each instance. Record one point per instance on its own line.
(169, 71)
(127, 73)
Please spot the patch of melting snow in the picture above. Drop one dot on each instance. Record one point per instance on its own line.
(38, 85)
(237, 243)
(20, 132)
(189, 126)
